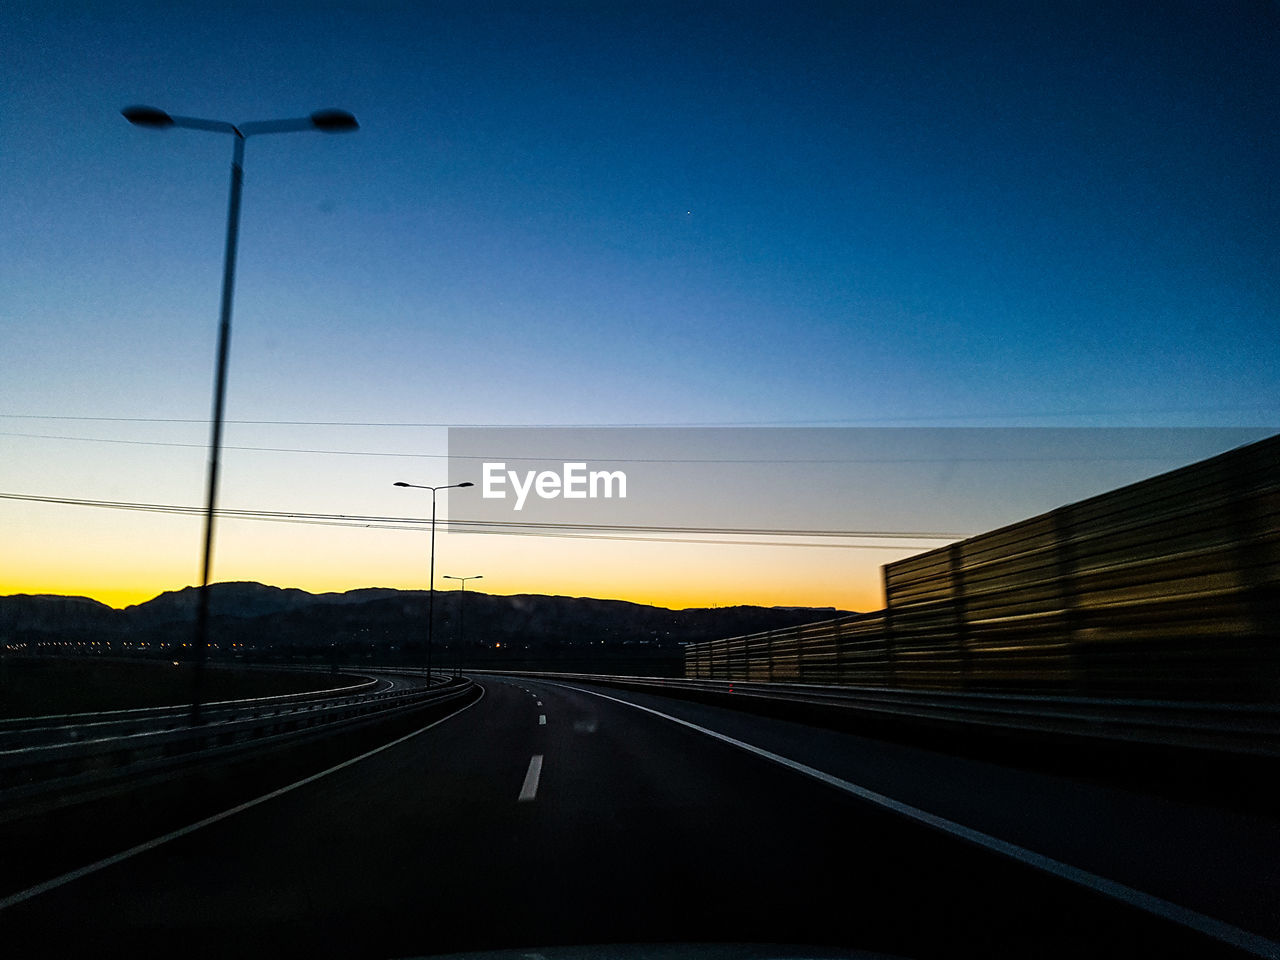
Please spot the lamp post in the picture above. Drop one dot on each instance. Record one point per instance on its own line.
(326, 121)
(431, 601)
(462, 606)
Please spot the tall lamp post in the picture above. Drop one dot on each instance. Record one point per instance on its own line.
(462, 606)
(431, 601)
(326, 121)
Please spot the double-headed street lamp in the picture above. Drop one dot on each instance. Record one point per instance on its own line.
(462, 606)
(431, 602)
(326, 121)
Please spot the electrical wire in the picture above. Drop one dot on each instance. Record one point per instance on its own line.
(608, 460)
(628, 532)
(723, 423)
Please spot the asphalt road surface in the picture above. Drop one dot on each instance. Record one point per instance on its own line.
(552, 814)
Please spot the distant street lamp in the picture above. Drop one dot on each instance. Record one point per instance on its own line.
(326, 121)
(431, 602)
(462, 606)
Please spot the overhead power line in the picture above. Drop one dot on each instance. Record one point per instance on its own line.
(493, 458)
(949, 418)
(597, 531)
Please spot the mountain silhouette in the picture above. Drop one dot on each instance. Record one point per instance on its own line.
(248, 618)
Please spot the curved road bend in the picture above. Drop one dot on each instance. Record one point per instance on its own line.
(549, 814)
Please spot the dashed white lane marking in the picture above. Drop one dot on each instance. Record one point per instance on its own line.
(1211, 926)
(542, 719)
(65, 878)
(529, 789)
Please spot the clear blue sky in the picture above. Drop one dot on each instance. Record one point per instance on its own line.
(578, 213)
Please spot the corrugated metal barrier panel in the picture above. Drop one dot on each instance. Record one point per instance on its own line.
(1167, 588)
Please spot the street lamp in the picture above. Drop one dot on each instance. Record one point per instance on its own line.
(326, 121)
(462, 606)
(431, 601)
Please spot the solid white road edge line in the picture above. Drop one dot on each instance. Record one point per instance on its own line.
(66, 878)
(1202, 923)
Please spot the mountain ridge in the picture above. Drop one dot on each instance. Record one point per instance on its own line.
(375, 621)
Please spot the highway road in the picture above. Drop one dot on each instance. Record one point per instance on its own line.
(552, 813)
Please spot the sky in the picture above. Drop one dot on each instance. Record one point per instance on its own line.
(889, 215)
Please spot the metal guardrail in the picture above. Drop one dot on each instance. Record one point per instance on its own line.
(1235, 728)
(29, 770)
(58, 728)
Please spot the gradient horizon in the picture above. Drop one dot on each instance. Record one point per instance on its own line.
(710, 214)
(926, 481)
